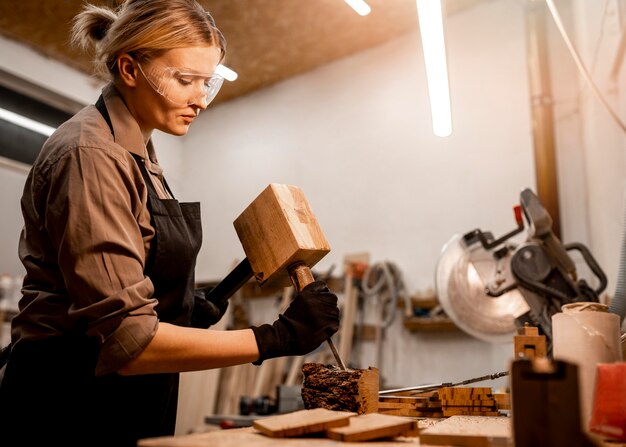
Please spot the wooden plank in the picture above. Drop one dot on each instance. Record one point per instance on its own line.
(503, 400)
(422, 406)
(467, 393)
(402, 399)
(371, 426)
(411, 413)
(469, 412)
(469, 402)
(302, 422)
(353, 265)
(469, 431)
(249, 437)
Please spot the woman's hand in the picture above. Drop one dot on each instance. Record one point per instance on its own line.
(311, 318)
(207, 310)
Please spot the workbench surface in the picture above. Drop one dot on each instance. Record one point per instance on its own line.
(248, 436)
(473, 431)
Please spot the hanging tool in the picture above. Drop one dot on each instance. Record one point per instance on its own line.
(489, 287)
(383, 282)
(282, 240)
(435, 386)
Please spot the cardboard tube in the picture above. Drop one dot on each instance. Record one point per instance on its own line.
(586, 334)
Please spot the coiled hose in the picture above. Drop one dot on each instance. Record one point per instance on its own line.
(384, 280)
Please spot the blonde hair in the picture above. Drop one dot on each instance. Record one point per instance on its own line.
(143, 28)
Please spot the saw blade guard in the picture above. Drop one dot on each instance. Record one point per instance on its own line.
(462, 276)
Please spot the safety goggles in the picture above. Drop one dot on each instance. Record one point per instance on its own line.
(180, 87)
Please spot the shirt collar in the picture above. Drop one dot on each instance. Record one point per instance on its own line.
(125, 128)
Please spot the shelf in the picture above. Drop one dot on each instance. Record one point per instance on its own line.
(428, 324)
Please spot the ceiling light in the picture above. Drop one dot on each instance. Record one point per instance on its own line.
(26, 123)
(433, 44)
(226, 73)
(359, 6)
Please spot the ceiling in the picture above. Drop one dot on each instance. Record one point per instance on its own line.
(267, 40)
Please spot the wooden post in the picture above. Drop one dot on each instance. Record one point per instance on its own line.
(542, 111)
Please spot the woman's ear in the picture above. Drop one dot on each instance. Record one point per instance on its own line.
(127, 69)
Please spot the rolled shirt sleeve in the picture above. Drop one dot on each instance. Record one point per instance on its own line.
(98, 221)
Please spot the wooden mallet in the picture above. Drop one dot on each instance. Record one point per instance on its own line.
(282, 241)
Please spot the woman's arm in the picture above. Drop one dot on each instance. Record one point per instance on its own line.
(311, 318)
(179, 349)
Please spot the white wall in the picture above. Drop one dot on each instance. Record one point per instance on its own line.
(355, 135)
(597, 32)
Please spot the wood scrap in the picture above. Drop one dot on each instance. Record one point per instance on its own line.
(367, 427)
(468, 401)
(469, 431)
(302, 422)
(421, 405)
(327, 386)
(503, 400)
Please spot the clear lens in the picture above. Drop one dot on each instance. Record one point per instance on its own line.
(182, 88)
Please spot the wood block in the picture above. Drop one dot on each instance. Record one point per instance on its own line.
(279, 229)
(417, 405)
(528, 343)
(407, 412)
(503, 401)
(383, 405)
(464, 393)
(327, 386)
(460, 411)
(403, 399)
(469, 402)
(540, 390)
(471, 431)
(371, 426)
(302, 422)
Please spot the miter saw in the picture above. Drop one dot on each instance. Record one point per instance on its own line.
(489, 287)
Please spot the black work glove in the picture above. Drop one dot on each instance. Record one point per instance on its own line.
(207, 311)
(311, 318)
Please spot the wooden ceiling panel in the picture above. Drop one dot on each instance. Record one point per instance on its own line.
(267, 40)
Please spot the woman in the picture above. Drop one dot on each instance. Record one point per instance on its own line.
(107, 317)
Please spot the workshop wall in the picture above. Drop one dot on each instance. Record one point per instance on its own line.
(356, 137)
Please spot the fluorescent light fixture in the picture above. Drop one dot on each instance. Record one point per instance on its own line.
(226, 73)
(433, 44)
(359, 6)
(26, 123)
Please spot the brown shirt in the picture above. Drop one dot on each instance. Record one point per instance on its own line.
(87, 235)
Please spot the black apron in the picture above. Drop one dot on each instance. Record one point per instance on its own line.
(53, 393)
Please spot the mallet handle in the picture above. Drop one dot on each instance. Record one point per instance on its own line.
(233, 281)
(301, 277)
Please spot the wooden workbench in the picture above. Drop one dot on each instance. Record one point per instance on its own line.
(249, 437)
(478, 430)
(473, 431)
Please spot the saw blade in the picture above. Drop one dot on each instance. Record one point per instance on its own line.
(461, 293)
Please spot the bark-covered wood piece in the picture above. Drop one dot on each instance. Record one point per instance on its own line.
(327, 386)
